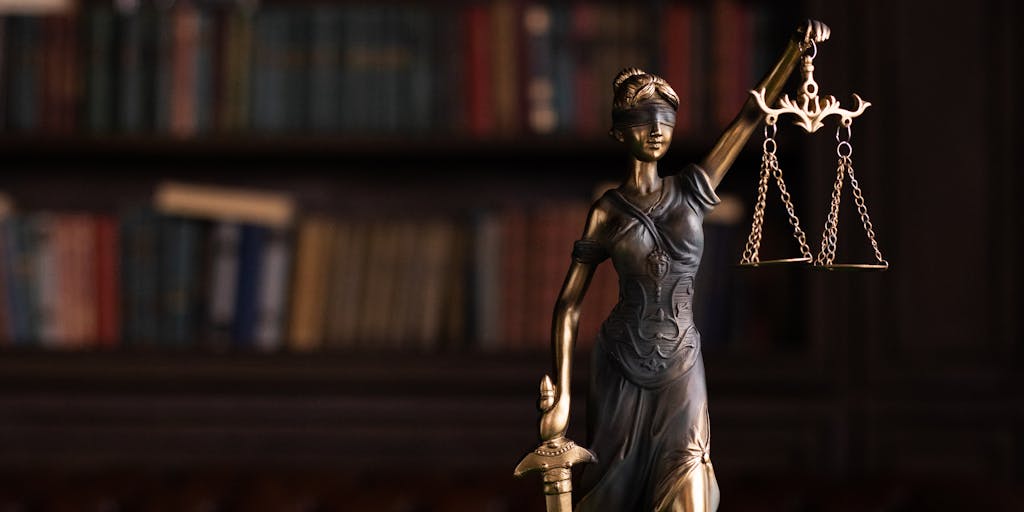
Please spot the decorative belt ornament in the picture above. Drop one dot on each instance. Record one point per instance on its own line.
(811, 112)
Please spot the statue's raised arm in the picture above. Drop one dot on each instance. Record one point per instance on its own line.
(723, 154)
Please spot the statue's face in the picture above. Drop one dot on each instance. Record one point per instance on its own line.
(647, 142)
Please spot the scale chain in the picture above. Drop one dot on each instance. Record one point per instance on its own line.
(750, 252)
(862, 209)
(794, 221)
(829, 238)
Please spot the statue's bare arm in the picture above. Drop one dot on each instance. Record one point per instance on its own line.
(564, 329)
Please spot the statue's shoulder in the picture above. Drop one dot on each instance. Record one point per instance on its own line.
(604, 218)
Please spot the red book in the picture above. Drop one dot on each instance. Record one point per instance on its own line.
(743, 56)
(586, 83)
(545, 267)
(724, 68)
(479, 103)
(108, 282)
(677, 39)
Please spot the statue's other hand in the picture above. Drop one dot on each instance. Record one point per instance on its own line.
(555, 419)
(812, 31)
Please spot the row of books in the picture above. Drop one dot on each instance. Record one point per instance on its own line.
(481, 69)
(84, 281)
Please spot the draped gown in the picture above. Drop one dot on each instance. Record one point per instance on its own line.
(647, 407)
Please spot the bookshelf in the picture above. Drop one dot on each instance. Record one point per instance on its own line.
(490, 97)
(836, 381)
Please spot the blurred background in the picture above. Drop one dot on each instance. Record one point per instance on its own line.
(302, 256)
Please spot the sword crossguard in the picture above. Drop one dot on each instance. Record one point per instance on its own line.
(558, 453)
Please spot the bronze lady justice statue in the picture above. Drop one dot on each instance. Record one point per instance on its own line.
(647, 409)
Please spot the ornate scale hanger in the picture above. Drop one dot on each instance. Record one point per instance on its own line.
(811, 112)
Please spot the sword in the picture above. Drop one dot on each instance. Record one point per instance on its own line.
(554, 458)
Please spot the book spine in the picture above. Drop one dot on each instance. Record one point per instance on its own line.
(677, 37)
(164, 38)
(514, 285)
(82, 333)
(269, 33)
(100, 73)
(349, 264)
(479, 101)
(486, 281)
(725, 51)
(108, 263)
(274, 280)
(6, 309)
(326, 64)
(205, 72)
(223, 283)
(180, 261)
(184, 20)
(562, 66)
(419, 88)
(504, 60)
(5, 71)
(309, 293)
(25, 296)
(437, 273)
(47, 283)
(24, 98)
(585, 78)
(250, 256)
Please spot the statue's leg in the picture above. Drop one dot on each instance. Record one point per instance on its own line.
(684, 476)
(618, 412)
(696, 492)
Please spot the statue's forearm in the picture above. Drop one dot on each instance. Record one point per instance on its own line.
(563, 339)
(724, 153)
(565, 323)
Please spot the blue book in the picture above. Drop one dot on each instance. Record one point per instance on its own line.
(19, 269)
(270, 32)
(562, 65)
(250, 256)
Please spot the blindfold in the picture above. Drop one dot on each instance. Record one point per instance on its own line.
(643, 114)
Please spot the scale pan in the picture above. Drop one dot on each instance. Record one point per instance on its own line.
(771, 263)
(854, 267)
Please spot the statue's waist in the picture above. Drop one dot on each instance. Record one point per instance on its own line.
(671, 292)
(647, 325)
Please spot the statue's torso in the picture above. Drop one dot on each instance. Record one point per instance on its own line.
(650, 333)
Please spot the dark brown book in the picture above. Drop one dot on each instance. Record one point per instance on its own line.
(108, 282)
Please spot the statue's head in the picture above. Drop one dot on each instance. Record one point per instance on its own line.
(643, 113)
